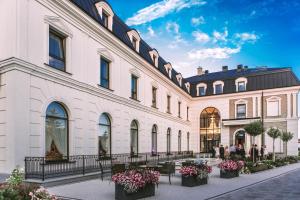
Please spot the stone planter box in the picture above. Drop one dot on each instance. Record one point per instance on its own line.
(229, 174)
(192, 181)
(121, 194)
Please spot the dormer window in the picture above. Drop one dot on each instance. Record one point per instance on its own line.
(168, 68)
(179, 79)
(201, 89)
(218, 87)
(154, 56)
(135, 39)
(188, 87)
(106, 14)
(241, 84)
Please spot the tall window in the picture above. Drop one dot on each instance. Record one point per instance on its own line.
(105, 19)
(187, 113)
(57, 58)
(179, 109)
(56, 132)
(241, 86)
(154, 140)
(104, 138)
(201, 91)
(219, 89)
(154, 58)
(104, 73)
(134, 42)
(168, 104)
(169, 141)
(241, 111)
(188, 141)
(134, 138)
(154, 94)
(134, 87)
(179, 141)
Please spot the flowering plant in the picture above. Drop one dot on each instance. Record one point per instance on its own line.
(133, 180)
(199, 170)
(230, 165)
(42, 194)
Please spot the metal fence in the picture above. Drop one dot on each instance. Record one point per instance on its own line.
(40, 168)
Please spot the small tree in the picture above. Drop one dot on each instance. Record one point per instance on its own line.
(286, 137)
(254, 129)
(274, 133)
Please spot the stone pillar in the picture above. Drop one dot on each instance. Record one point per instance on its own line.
(288, 105)
(294, 105)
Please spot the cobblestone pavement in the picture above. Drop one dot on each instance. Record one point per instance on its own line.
(285, 187)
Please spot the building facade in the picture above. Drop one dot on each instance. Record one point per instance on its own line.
(75, 80)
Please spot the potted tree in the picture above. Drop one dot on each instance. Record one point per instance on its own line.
(286, 137)
(135, 184)
(254, 129)
(194, 174)
(230, 168)
(274, 133)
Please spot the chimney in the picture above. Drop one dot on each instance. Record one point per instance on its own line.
(200, 71)
(239, 68)
(225, 68)
(206, 72)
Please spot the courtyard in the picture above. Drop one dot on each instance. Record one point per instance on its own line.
(280, 183)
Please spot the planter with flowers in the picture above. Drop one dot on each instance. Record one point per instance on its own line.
(230, 168)
(135, 184)
(194, 174)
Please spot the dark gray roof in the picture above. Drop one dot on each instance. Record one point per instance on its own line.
(120, 30)
(258, 78)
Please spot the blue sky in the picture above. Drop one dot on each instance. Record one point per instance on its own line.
(212, 33)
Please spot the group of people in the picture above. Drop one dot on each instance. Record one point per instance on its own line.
(238, 150)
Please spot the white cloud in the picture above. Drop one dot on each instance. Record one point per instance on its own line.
(197, 21)
(173, 27)
(151, 32)
(176, 42)
(201, 37)
(247, 37)
(218, 36)
(161, 9)
(216, 53)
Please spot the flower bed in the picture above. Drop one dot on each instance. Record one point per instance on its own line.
(135, 184)
(194, 174)
(230, 168)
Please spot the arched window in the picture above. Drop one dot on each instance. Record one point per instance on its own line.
(154, 140)
(134, 138)
(56, 132)
(179, 141)
(188, 141)
(104, 137)
(210, 129)
(169, 141)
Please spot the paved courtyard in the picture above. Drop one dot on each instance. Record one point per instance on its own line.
(286, 185)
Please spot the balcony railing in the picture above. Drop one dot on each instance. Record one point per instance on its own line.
(40, 168)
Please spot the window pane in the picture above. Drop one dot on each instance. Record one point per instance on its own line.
(104, 140)
(201, 91)
(273, 108)
(104, 79)
(56, 110)
(134, 87)
(241, 111)
(241, 86)
(219, 89)
(134, 142)
(56, 51)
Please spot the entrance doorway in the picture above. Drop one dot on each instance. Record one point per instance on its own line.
(240, 138)
(210, 130)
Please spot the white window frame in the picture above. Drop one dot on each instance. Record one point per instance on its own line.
(199, 86)
(102, 6)
(134, 34)
(218, 83)
(106, 54)
(274, 99)
(169, 68)
(237, 81)
(188, 86)
(152, 54)
(241, 102)
(179, 79)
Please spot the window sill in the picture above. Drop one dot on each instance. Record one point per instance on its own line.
(65, 72)
(134, 99)
(105, 88)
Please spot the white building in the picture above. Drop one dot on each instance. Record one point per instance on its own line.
(75, 80)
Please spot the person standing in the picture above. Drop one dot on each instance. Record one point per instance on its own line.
(256, 152)
(217, 150)
(222, 152)
(262, 152)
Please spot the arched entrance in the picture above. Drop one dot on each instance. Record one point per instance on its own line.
(240, 138)
(210, 129)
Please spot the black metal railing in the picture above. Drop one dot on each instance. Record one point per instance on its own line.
(40, 168)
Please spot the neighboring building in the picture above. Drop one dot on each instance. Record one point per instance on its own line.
(75, 80)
